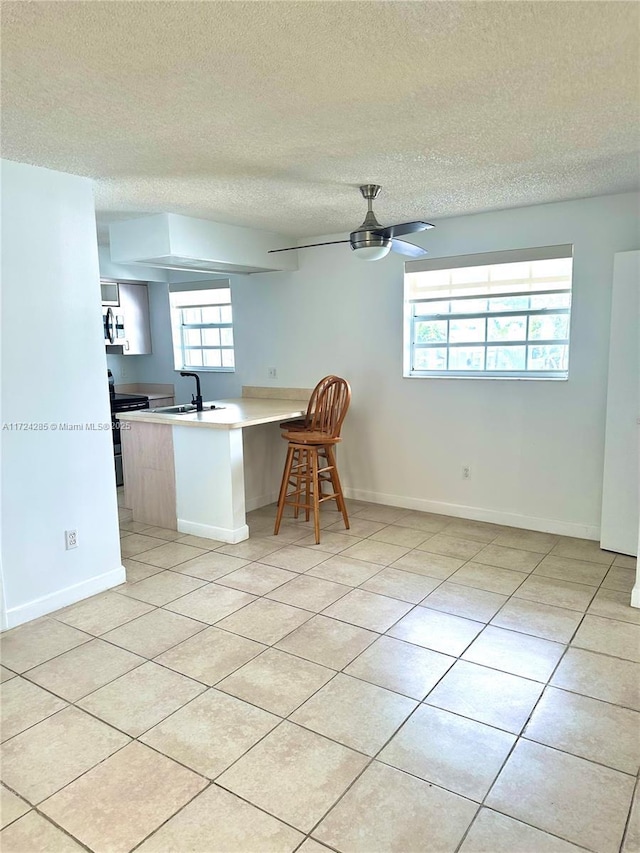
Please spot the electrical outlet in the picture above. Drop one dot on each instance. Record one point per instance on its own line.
(272, 373)
(466, 472)
(70, 539)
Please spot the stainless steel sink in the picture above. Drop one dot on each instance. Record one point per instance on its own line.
(186, 409)
(174, 410)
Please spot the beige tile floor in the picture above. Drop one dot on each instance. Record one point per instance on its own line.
(416, 684)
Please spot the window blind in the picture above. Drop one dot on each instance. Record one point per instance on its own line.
(517, 271)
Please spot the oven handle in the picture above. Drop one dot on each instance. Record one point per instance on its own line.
(108, 326)
(129, 407)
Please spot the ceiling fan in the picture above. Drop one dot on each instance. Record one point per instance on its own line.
(371, 241)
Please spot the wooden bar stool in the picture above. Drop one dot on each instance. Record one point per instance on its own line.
(311, 464)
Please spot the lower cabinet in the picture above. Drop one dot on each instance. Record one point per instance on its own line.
(149, 474)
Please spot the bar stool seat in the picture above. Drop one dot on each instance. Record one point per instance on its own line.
(310, 465)
(309, 436)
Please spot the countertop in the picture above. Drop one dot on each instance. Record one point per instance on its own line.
(154, 390)
(235, 414)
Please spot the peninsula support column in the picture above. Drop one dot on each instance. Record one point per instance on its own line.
(210, 483)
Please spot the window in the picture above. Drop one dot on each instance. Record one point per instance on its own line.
(503, 314)
(202, 329)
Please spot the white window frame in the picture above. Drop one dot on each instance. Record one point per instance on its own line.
(198, 295)
(416, 310)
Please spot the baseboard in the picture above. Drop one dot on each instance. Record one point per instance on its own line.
(63, 597)
(208, 531)
(508, 519)
(635, 595)
(260, 501)
(494, 516)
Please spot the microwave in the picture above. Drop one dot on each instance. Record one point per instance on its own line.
(113, 327)
(125, 317)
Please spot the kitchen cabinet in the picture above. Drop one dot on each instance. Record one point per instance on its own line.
(125, 313)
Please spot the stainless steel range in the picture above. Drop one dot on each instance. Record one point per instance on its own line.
(122, 403)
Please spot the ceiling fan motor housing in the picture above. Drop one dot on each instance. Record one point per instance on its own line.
(365, 239)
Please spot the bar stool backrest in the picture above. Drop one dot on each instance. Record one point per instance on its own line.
(313, 400)
(332, 398)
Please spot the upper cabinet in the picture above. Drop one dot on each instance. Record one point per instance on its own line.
(125, 317)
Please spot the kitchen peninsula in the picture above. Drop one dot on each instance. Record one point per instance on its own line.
(187, 471)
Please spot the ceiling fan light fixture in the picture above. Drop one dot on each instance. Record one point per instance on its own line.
(372, 253)
(370, 247)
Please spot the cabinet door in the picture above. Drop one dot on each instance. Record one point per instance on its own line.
(134, 306)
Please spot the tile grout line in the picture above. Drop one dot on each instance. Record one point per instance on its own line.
(627, 825)
(53, 822)
(287, 719)
(394, 733)
(135, 739)
(502, 767)
(519, 738)
(272, 646)
(205, 625)
(375, 757)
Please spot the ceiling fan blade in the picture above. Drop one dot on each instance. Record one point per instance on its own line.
(403, 228)
(308, 246)
(409, 249)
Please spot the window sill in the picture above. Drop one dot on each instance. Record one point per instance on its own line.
(478, 375)
(205, 369)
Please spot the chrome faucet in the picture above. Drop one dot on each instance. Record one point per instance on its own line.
(197, 399)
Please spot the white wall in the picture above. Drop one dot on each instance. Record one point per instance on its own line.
(535, 447)
(635, 592)
(53, 371)
(620, 482)
(159, 366)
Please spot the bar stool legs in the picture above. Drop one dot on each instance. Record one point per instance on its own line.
(283, 489)
(314, 484)
(337, 485)
(306, 469)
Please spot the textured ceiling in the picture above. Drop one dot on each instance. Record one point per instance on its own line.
(270, 114)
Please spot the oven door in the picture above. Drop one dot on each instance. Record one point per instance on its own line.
(117, 449)
(115, 430)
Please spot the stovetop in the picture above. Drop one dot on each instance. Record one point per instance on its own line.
(124, 399)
